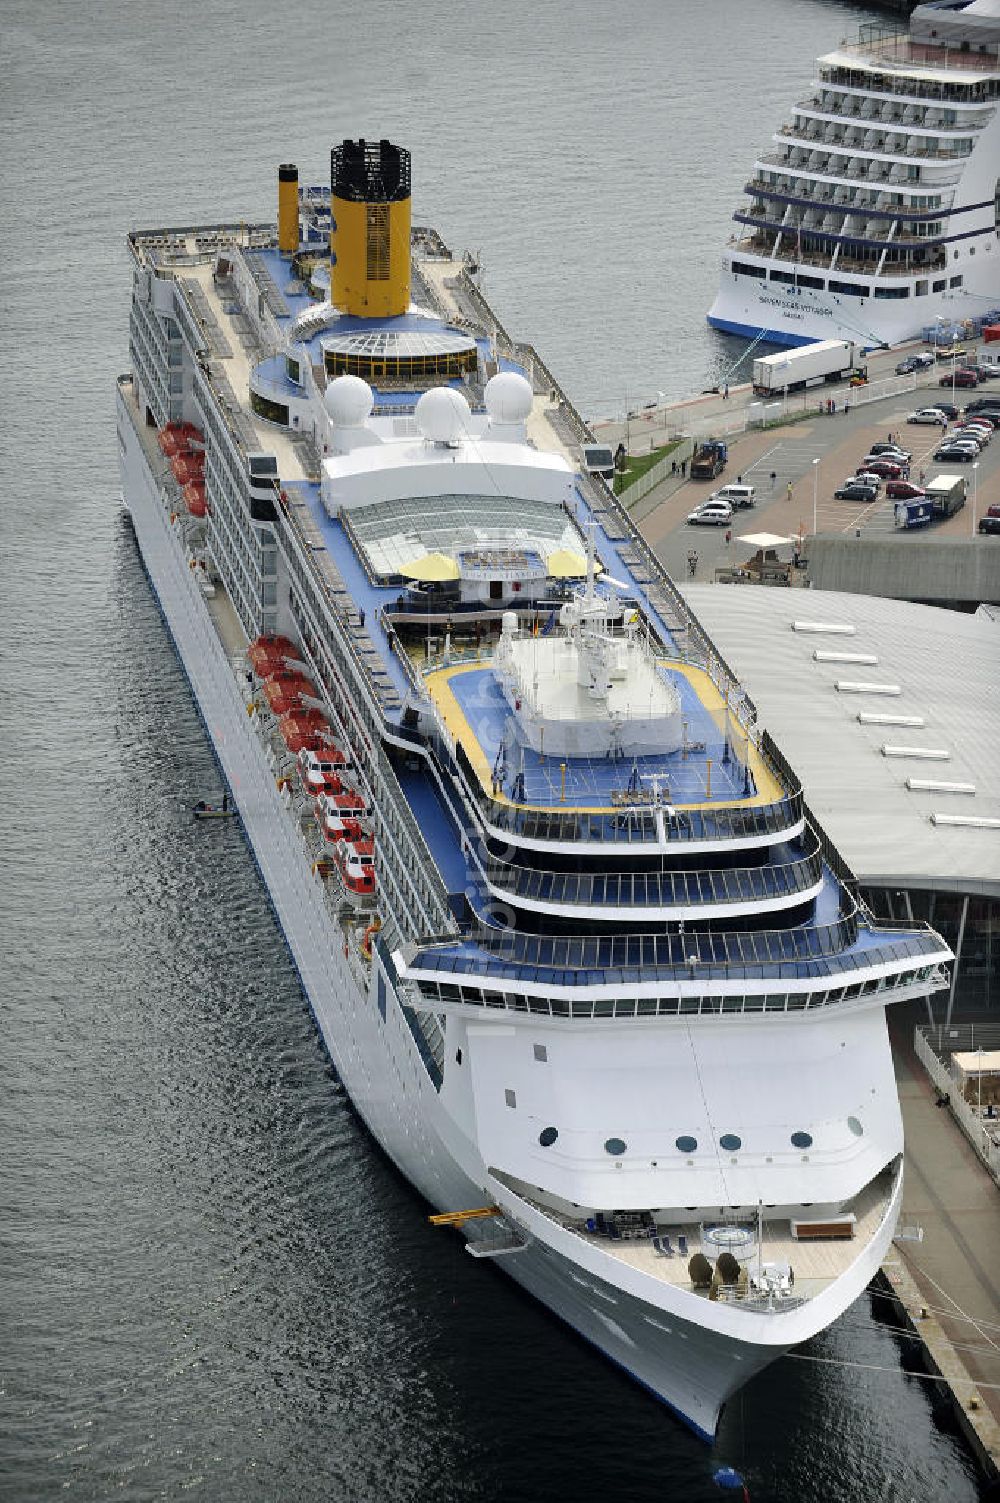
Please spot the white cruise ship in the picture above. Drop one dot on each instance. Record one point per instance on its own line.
(876, 214)
(590, 972)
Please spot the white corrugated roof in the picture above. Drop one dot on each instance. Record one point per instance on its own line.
(946, 666)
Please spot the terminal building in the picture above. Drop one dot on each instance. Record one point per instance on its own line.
(889, 714)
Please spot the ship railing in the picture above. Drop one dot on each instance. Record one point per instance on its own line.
(835, 989)
(897, 46)
(631, 826)
(480, 967)
(665, 889)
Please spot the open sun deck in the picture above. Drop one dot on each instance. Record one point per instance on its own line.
(815, 1261)
(710, 767)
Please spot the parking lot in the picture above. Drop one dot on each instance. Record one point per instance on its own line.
(781, 458)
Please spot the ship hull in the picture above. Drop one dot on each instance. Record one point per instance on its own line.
(647, 1330)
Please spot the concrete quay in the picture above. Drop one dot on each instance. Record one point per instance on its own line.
(948, 1284)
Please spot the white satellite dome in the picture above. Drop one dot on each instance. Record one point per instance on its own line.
(443, 415)
(508, 398)
(349, 401)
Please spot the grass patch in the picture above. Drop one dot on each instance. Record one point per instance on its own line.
(638, 465)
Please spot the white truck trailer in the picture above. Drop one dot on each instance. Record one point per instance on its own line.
(807, 365)
(946, 493)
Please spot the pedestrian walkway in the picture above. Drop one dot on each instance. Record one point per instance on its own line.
(950, 1194)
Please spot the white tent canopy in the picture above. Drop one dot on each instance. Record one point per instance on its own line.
(764, 539)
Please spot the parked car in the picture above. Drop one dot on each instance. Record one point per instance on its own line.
(856, 491)
(981, 435)
(949, 409)
(890, 451)
(956, 453)
(992, 511)
(903, 490)
(878, 464)
(984, 404)
(959, 440)
(963, 376)
(908, 366)
(865, 477)
(984, 372)
(990, 526)
(711, 514)
(947, 352)
(928, 415)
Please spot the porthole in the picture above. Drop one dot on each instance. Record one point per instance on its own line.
(855, 1127)
(615, 1146)
(547, 1136)
(686, 1145)
(730, 1142)
(801, 1140)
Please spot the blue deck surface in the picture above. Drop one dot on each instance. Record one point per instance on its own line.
(364, 595)
(591, 780)
(436, 828)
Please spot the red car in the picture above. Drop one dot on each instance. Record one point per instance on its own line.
(875, 464)
(962, 377)
(902, 490)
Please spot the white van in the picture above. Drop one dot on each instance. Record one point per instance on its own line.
(736, 495)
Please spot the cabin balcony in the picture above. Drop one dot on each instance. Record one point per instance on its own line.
(907, 151)
(893, 116)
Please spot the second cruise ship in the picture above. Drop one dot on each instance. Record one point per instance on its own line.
(876, 214)
(590, 971)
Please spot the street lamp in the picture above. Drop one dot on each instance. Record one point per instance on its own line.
(815, 491)
(975, 492)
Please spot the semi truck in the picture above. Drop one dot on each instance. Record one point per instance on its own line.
(807, 365)
(709, 460)
(946, 493)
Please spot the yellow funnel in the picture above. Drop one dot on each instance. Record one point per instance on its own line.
(288, 208)
(370, 229)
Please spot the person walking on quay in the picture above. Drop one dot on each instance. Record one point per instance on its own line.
(725, 392)
(788, 491)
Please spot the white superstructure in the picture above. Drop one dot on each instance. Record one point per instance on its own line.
(576, 947)
(876, 213)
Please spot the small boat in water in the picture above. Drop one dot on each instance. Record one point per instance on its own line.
(225, 810)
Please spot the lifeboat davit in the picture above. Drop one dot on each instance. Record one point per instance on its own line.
(270, 654)
(355, 861)
(285, 692)
(194, 498)
(320, 766)
(339, 816)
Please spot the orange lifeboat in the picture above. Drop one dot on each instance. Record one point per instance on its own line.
(320, 766)
(270, 654)
(305, 730)
(355, 861)
(174, 438)
(188, 467)
(339, 816)
(286, 690)
(194, 498)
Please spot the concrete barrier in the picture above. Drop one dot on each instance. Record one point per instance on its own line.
(939, 571)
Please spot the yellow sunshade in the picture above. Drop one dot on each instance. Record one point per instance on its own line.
(566, 565)
(433, 567)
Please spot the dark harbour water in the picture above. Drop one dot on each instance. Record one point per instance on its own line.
(211, 1284)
